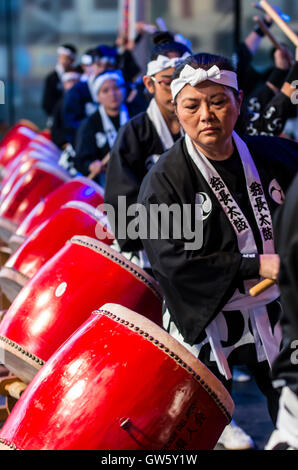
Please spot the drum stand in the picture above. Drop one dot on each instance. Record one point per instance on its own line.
(11, 388)
(5, 253)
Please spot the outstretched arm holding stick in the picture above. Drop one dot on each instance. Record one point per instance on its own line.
(266, 31)
(280, 22)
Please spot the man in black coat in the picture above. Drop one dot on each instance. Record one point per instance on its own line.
(53, 88)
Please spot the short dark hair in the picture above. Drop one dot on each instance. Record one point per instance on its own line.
(71, 47)
(165, 44)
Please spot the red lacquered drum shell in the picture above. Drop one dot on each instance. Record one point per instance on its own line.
(82, 276)
(73, 218)
(37, 182)
(15, 141)
(14, 130)
(19, 167)
(79, 189)
(119, 383)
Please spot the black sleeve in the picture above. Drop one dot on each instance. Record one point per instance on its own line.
(273, 114)
(273, 117)
(286, 229)
(249, 267)
(128, 65)
(247, 75)
(57, 130)
(73, 113)
(85, 147)
(51, 94)
(125, 172)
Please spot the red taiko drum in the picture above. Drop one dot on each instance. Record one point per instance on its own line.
(36, 183)
(10, 134)
(73, 218)
(119, 383)
(15, 141)
(79, 189)
(19, 167)
(81, 277)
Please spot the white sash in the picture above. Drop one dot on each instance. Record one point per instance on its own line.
(160, 125)
(256, 308)
(108, 126)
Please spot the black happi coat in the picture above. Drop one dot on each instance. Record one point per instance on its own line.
(78, 104)
(88, 147)
(136, 147)
(286, 241)
(52, 93)
(197, 284)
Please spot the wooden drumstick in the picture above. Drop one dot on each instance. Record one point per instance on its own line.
(104, 161)
(266, 31)
(261, 287)
(280, 22)
(92, 174)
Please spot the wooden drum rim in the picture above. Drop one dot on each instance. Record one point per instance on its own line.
(13, 347)
(6, 445)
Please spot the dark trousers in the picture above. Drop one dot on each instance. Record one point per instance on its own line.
(262, 375)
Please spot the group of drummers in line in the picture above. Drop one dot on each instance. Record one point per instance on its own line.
(192, 109)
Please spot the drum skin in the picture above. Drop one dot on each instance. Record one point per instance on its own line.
(119, 383)
(81, 277)
(79, 189)
(73, 218)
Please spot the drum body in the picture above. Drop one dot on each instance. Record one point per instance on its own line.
(119, 383)
(77, 189)
(73, 218)
(36, 183)
(81, 277)
(19, 167)
(15, 141)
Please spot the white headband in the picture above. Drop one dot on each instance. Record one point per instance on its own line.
(86, 59)
(98, 82)
(70, 76)
(163, 62)
(66, 51)
(191, 76)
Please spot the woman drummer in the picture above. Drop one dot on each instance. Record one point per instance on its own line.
(233, 186)
(97, 133)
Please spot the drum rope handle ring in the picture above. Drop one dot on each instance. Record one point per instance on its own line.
(171, 354)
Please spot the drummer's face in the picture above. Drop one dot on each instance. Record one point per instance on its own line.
(208, 113)
(160, 86)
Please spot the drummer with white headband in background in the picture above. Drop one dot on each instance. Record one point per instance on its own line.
(53, 88)
(144, 138)
(233, 185)
(97, 133)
